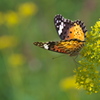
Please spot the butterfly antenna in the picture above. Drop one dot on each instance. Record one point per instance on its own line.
(76, 63)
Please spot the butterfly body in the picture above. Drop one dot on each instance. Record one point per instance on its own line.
(72, 34)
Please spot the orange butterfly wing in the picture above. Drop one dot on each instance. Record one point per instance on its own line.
(68, 29)
(72, 34)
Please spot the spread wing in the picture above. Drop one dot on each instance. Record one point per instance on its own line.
(68, 29)
(71, 47)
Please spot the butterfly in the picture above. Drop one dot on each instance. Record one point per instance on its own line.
(71, 33)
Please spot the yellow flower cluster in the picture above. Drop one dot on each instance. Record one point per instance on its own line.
(12, 18)
(87, 75)
(27, 9)
(16, 60)
(7, 42)
(10, 46)
(68, 83)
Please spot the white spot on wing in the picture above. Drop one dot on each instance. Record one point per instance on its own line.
(64, 20)
(57, 21)
(46, 46)
(60, 28)
(57, 26)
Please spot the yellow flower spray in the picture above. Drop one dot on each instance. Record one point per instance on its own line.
(87, 75)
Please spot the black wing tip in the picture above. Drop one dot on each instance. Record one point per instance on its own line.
(39, 44)
(58, 15)
(81, 23)
(35, 43)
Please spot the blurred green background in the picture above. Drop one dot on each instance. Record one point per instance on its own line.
(28, 72)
